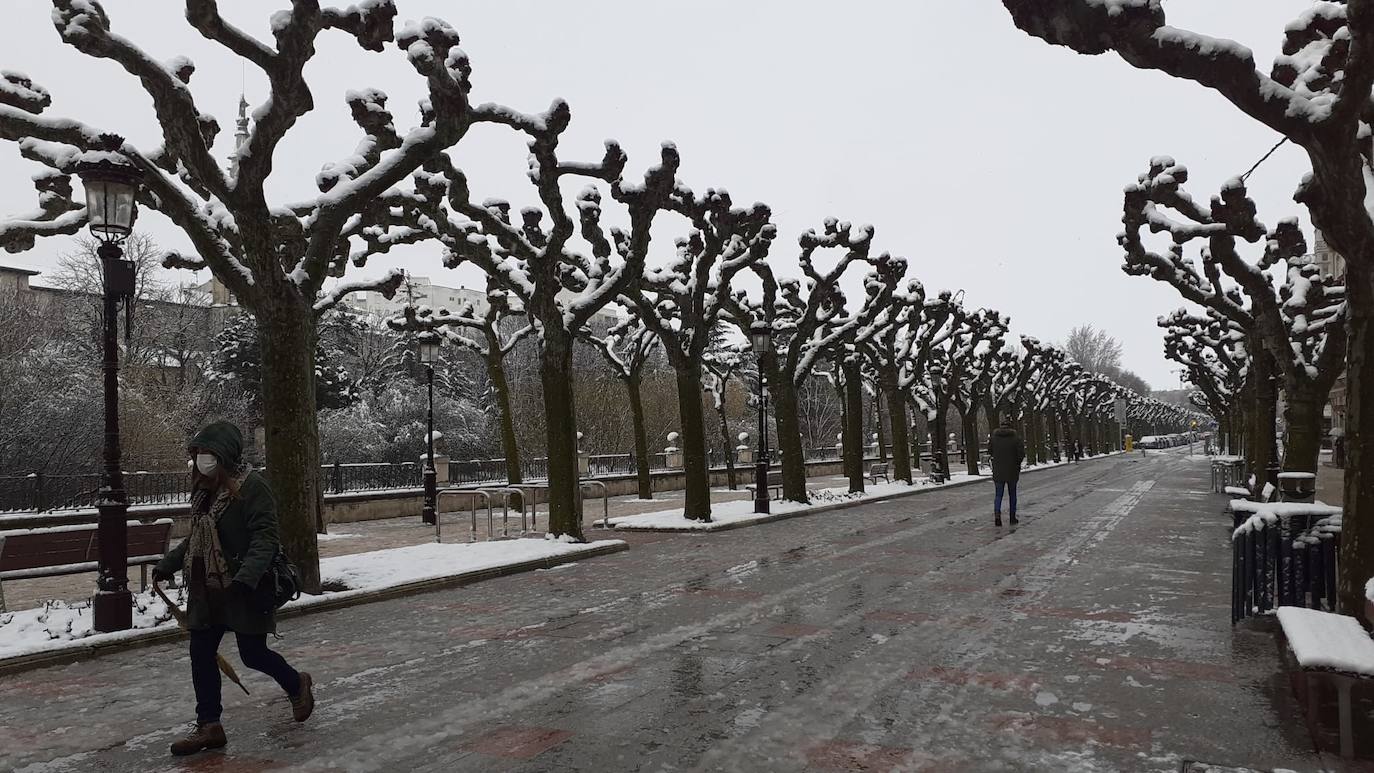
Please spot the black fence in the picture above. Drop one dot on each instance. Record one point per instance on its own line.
(41, 492)
(1284, 561)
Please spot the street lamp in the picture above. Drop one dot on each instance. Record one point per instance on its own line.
(111, 184)
(429, 354)
(761, 340)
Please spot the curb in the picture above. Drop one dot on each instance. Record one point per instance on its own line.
(31, 661)
(835, 506)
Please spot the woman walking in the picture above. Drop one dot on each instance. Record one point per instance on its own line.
(232, 543)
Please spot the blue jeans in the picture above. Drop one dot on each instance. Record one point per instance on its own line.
(253, 652)
(1010, 486)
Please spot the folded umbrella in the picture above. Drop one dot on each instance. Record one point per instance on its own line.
(180, 616)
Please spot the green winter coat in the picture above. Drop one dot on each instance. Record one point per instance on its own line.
(248, 535)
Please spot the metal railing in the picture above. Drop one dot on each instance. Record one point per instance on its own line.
(1284, 561)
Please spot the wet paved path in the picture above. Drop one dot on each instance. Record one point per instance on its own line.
(907, 635)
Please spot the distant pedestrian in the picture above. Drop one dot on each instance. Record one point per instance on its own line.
(232, 543)
(1078, 450)
(1007, 452)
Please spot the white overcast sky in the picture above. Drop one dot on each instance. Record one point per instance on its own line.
(991, 161)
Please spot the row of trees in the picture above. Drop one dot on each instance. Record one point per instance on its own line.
(1252, 338)
(557, 259)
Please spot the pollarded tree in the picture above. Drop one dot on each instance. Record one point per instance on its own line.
(559, 288)
(491, 334)
(1215, 364)
(1318, 96)
(725, 362)
(967, 394)
(681, 303)
(627, 347)
(899, 342)
(274, 257)
(1300, 323)
(805, 323)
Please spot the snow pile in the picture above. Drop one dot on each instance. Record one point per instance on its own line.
(742, 510)
(59, 625)
(1325, 640)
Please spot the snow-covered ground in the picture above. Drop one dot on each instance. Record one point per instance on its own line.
(59, 625)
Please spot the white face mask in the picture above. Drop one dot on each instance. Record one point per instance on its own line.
(206, 463)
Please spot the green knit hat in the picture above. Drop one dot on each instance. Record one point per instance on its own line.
(222, 439)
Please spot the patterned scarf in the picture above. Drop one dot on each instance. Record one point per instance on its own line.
(205, 566)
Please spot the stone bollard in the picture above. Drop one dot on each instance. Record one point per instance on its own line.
(672, 453)
(743, 453)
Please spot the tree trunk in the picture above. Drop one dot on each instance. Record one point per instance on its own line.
(970, 422)
(646, 486)
(1058, 443)
(1302, 444)
(896, 415)
(1266, 416)
(1356, 562)
(696, 504)
(496, 372)
(286, 330)
(939, 454)
(727, 444)
(789, 440)
(878, 424)
(854, 426)
(560, 417)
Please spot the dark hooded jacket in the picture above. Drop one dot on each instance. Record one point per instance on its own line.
(248, 535)
(1007, 452)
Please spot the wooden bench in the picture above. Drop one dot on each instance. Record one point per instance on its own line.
(878, 470)
(774, 485)
(1332, 648)
(61, 550)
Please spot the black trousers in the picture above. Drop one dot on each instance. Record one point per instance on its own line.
(253, 652)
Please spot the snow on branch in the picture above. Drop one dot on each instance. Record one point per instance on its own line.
(386, 285)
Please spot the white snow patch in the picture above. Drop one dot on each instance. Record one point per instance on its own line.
(1044, 698)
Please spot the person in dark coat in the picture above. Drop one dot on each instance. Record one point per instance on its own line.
(1007, 452)
(232, 542)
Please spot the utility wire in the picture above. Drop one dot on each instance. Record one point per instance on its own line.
(1263, 158)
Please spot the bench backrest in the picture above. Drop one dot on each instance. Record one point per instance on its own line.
(879, 468)
(40, 548)
(775, 479)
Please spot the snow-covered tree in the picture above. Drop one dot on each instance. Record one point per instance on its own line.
(238, 359)
(681, 302)
(725, 362)
(1299, 323)
(273, 256)
(627, 347)
(491, 334)
(806, 321)
(1211, 350)
(897, 346)
(1317, 95)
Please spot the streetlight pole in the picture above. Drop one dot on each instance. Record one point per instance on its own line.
(429, 353)
(111, 185)
(761, 339)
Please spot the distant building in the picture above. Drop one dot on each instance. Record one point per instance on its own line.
(422, 291)
(14, 284)
(1328, 261)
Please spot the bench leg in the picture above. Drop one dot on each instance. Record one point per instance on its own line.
(143, 577)
(2, 597)
(1343, 701)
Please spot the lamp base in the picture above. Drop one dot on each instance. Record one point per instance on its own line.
(112, 610)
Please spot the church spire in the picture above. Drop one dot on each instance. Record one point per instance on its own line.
(240, 135)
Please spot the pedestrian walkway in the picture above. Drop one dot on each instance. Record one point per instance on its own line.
(903, 635)
(366, 536)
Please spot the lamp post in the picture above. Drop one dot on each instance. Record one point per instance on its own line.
(111, 184)
(429, 354)
(761, 339)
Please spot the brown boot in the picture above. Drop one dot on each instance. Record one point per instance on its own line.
(303, 702)
(209, 735)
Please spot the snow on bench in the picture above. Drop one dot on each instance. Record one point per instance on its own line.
(1336, 647)
(1262, 514)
